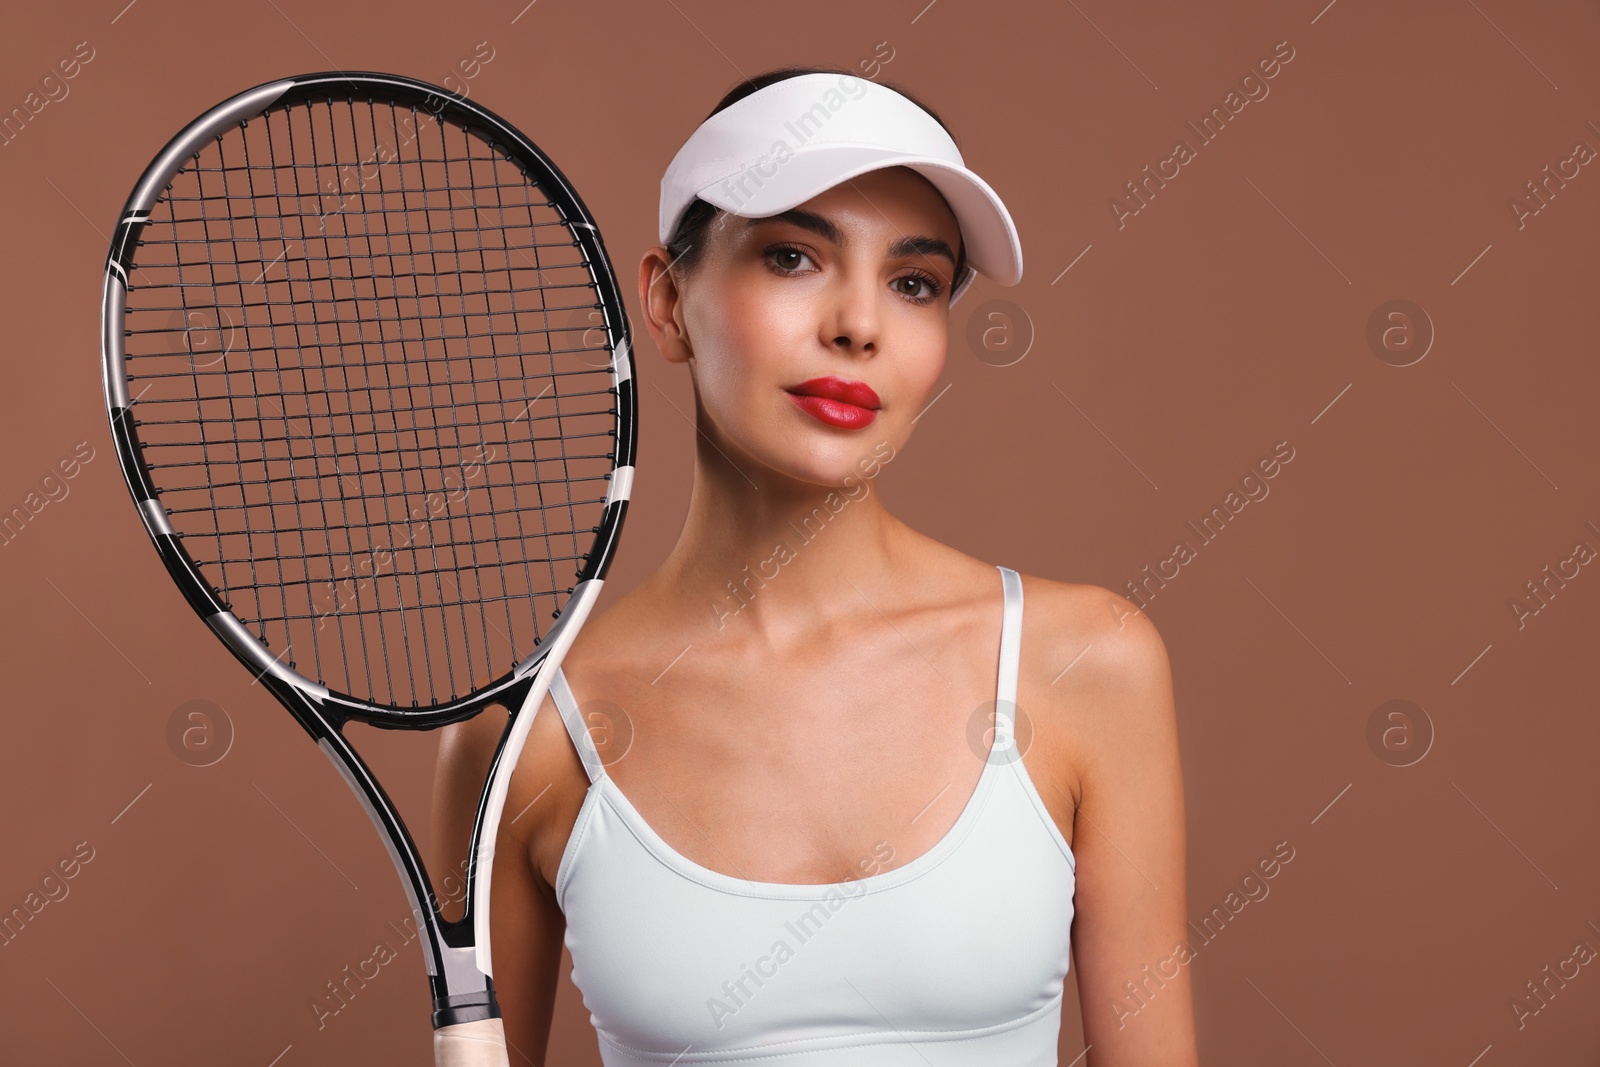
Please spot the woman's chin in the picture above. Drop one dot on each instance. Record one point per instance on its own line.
(842, 466)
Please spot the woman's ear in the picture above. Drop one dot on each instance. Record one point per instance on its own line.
(662, 304)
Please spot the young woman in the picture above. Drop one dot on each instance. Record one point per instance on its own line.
(812, 793)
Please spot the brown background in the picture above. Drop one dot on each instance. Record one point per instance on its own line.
(1230, 314)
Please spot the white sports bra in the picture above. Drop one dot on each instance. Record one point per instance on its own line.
(954, 958)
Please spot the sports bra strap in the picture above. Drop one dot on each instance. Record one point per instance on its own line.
(567, 705)
(1010, 644)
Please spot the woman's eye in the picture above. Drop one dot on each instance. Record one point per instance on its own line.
(927, 291)
(789, 258)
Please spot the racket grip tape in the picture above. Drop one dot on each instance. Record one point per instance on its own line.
(480, 1043)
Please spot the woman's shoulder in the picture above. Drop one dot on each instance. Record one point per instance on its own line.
(1100, 634)
(626, 638)
(1096, 686)
(1084, 638)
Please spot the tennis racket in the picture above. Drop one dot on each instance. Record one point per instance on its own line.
(370, 383)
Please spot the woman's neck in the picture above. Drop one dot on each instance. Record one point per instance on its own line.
(777, 557)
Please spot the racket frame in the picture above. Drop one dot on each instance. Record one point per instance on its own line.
(456, 952)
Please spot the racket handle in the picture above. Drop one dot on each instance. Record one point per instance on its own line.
(480, 1043)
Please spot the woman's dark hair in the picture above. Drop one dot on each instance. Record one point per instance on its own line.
(688, 239)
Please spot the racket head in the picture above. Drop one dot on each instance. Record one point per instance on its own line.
(370, 381)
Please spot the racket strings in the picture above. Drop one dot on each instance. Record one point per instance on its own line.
(383, 417)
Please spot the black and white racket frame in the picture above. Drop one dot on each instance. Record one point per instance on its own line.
(456, 952)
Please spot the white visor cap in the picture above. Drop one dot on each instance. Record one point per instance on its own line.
(792, 140)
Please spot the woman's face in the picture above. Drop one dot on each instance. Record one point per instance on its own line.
(853, 284)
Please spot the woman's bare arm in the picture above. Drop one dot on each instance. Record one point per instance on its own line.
(1128, 837)
(527, 927)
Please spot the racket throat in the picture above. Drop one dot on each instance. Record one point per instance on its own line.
(462, 993)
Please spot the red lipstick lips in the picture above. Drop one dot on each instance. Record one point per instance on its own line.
(836, 401)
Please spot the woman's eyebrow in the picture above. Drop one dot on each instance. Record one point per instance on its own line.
(806, 220)
(920, 245)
